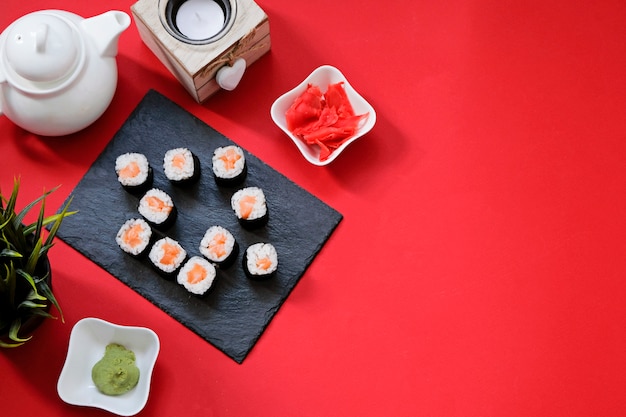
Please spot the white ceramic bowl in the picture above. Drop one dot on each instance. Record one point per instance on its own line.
(322, 77)
(88, 340)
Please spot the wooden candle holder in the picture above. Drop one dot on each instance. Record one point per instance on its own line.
(198, 65)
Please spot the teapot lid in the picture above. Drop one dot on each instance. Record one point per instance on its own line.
(42, 48)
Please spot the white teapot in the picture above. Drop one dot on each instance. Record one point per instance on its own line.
(58, 72)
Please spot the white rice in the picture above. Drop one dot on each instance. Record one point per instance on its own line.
(158, 251)
(124, 161)
(220, 167)
(204, 283)
(144, 236)
(207, 242)
(156, 216)
(258, 210)
(174, 172)
(259, 251)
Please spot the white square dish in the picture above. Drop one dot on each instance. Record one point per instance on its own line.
(323, 77)
(88, 340)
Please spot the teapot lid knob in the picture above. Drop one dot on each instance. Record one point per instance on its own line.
(42, 47)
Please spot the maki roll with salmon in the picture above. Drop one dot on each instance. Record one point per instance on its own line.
(134, 172)
(250, 207)
(157, 207)
(219, 246)
(167, 256)
(181, 166)
(134, 237)
(229, 165)
(260, 261)
(197, 275)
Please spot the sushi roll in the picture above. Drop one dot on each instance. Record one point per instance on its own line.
(134, 237)
(229, 165)
(157, 207)
(250, 207)
(260, 261)
(197, 275)
(181, 166)
(167, 256)
(134, 172)
(219, 246)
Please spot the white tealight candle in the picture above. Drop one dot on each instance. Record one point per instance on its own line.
(200, 19)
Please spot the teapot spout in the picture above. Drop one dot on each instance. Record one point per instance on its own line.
(105, 30)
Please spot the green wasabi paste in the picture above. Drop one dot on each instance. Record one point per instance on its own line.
(116, 373)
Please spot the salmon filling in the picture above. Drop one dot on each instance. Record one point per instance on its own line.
(132, 236)
(261, 260)
(230, 158)
(246, 205)
(264, 263)
(131, 170)
(171, 252)
(250, 206)
(216, 247)
(156, 204)
(179, 164)
(217, 244)
(167, 255)
(179, 161)
(196, 274)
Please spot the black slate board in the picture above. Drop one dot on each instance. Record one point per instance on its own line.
(235, 313)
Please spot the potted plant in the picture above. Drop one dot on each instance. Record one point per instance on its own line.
(25, 291)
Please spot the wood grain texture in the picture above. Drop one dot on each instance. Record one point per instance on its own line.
(195, 66)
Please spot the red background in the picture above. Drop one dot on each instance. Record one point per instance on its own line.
(479, 269)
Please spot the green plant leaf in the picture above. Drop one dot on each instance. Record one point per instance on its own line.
(40, 219)
(5, 222)
(50, 219)
(10, 253)
(4, 286)
(22, 247)
(34, 257)
(47, 292)
(33, 295)
(15, 328)
(20, 216)
(29, 278)
(42, 313)
(31, 304)
(58, 219)
(11, 282)
(10, 345)
(10, 207)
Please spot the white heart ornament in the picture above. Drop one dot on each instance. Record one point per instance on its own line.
(228, 77)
